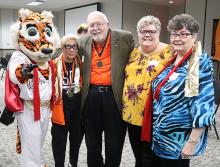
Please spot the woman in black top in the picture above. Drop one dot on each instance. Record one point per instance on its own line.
(67, 120)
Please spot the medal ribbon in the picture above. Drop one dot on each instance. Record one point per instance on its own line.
(70, 81)
(36, 96)
(53, 80)
(157, 91)
(146, 131)
(100, 49)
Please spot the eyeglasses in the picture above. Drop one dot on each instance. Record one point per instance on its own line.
(181, 35)
(69, 47)
(98, 25)
(145, 32)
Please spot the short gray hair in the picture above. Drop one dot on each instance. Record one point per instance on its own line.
(67, 37)
(97, 13)
(149, 20)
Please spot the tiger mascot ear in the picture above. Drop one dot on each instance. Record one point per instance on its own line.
(35, 35)
(48, 15)
(23, 14)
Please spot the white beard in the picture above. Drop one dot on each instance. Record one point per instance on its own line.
(98, 38)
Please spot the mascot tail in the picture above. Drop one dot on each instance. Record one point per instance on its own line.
(18, 142)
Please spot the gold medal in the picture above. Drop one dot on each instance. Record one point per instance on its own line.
(69, 93)
(99, 64)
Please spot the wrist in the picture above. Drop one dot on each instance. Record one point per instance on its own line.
(192, 141)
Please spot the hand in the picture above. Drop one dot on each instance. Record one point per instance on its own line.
(188, 150)
(26, 70)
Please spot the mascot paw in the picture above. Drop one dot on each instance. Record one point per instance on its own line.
(27, 69)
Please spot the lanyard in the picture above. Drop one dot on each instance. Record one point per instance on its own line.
(157, 91)
(70, 81)
(100, 50)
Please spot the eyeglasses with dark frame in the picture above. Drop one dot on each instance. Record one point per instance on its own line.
(183, 35)
(145, 32)
(69, 47)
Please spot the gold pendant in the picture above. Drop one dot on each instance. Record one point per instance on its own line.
(99, 64)
(69, 93)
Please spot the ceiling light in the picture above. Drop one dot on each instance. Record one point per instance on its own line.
(34, 3)
(40, 0)
(171, 2)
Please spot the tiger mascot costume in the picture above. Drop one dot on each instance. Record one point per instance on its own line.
(36, 40)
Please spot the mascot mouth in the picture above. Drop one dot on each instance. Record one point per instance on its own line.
(47, 50)
(45, 53)
(42, 55)
(45, 56)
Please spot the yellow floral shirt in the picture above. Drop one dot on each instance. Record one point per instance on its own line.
(139, 73)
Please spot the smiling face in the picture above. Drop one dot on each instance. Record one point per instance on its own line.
(148, 37)
(98, 27)
(182, 40)
(70, 50)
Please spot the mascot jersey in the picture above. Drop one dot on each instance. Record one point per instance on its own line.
(35, 39)
(26, 85)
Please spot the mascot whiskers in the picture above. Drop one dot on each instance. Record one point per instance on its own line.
(36, 40)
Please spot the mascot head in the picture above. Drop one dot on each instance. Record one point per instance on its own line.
(35, 35)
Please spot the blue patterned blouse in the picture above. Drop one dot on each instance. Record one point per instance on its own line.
(174, 115)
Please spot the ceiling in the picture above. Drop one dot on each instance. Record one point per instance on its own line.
(57, 5)
(48, 4)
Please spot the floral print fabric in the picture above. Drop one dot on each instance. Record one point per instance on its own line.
(139, 73)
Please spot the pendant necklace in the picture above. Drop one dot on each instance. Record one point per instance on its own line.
(99, 52)
(99, 63)
(69, 92)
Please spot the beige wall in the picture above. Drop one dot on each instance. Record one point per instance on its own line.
(107, 7)
(8, 17)
(198, 12)
(172, 12)
(59, 22)
(133, 11)
(113, 10)
(205, 16)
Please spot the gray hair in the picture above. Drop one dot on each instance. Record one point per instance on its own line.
(183, 20)
(97, 13)
(149, 20)
(67, 37)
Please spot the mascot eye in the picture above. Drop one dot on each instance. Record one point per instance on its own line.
(48, 32)
(32, 31)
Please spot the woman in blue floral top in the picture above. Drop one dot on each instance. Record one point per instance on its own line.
(183, 98)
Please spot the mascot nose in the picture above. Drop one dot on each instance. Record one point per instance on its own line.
(46, 50)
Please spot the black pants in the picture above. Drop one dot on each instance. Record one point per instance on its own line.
(59, 134)
(101, 115)
(143, 154)
(161, 162)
